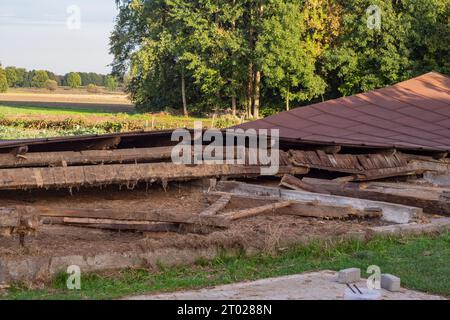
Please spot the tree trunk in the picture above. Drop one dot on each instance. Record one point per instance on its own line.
(287, 99)
(233, 106)
(256, 94)
(250, 91)
(183, 92)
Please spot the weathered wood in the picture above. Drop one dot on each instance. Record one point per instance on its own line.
(148, 215)
(129, 174)
(110, 224)
(426, 199)
(391, 212)
(48, 159)
(313, 209)
(220, 204)
(251, 212)
(294, 183)
(18, 220)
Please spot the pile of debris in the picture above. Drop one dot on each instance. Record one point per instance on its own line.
(353, 194)
(394, 178)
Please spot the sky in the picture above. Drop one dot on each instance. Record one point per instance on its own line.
(57, 35)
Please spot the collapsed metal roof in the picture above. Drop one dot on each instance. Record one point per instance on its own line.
(413, 114)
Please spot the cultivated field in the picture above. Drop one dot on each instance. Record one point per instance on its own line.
(65, 97)
(36, 113)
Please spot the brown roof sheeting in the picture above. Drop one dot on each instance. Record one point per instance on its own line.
(413, 114)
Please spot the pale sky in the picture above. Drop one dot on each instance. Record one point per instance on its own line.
(42, 34)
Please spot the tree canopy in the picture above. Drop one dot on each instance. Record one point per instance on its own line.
(260, 56)
(73, 80)
(39, 79)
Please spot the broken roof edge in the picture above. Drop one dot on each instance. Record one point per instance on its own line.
(165, 135)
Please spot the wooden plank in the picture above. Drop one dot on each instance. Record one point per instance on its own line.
(402, 195)
(391, 212)
(129, 174)
(251, 212)
(47, 159)
(313, 209)
(294, 183)
(148, 215)
(117, 225)
(220, 204)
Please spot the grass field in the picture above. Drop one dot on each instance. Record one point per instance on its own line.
(38, 122)
(422, 262)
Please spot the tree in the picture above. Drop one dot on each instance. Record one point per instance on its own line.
(3, 80)
(363, 58)
(111, 83)
(287, 60)
(73, 80)
(429, 37)
(39, 79)
(51, 85)
(255, 54)
(11, 76)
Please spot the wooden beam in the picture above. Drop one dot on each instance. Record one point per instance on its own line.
(49, 159)
(391, 212)
(117, 225)
(251, 212)
(426, 199)
(313, 209)
(148, 215)
(127, 174)
(220, 204)
(294, 183)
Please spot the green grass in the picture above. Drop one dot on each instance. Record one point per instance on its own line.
(41, 122)
(404, 257)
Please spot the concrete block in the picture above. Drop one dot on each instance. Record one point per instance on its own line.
(390, 282)
(349, 275)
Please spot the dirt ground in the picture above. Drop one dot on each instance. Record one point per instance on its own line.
(264, 232)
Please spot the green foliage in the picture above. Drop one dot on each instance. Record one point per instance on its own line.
(3, 80)
(303, 50)
(286, 59)
(73, 80)
(111, 83)
(39, 79)
(51, 85)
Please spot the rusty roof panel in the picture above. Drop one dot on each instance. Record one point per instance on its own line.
(413, 114)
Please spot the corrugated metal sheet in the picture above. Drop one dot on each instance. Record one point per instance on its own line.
(414, 114)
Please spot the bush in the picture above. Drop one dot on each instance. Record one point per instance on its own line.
(3, 81)
(92, 88)
(51, 85)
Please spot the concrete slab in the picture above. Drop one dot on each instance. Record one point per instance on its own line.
(321, 285)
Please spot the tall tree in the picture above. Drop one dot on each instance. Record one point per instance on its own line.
(287, 59)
